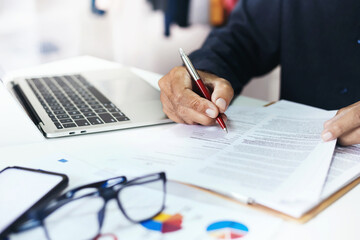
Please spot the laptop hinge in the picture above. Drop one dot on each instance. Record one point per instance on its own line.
(26, 104)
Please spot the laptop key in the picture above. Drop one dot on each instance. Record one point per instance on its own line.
(62, 116)
(79, 103)
(74, 112)
(89, 114)
(96, 106)
(82, 106)
(107, 118)
(59, 112)
(114, 110)
(71, 109)
(118, 114)
(93, 103)
(69, 125)
(54, 104)
(109, 105)
(48, 97)
(58, 125)
(82, 122)
(100, 110)
(68, 120)
(56, 108)
(120, 119)
(89, 99)
(69, 105)
(95, 120)
(65, 103)
(85, 110)
(77, 117)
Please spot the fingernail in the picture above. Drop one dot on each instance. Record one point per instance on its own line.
(221, 103)
(327, 136)
(211, 113)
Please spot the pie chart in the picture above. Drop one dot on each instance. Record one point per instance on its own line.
(164, 223)
(227, 230)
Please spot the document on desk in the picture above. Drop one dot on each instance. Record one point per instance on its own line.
(275, 158)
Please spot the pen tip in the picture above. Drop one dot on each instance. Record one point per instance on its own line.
(225, 129)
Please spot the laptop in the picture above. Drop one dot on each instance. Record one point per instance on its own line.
(89, 102)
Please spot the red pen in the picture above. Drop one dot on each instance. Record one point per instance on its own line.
(194, 74)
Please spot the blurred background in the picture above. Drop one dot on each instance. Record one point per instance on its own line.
(131, 32)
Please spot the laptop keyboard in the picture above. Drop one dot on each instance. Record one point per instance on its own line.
(71, 101)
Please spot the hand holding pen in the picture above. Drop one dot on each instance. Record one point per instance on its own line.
(183, 105)
(196, 77)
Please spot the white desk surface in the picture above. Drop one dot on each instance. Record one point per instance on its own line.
(339, 221)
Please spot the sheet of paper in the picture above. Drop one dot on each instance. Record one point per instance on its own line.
(345, 164)
(345, 167)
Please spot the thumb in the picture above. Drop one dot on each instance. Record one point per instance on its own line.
(222, 94)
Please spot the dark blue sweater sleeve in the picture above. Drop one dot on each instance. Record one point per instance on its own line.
(248, 46)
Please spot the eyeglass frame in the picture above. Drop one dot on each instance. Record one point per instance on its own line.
(37, 217)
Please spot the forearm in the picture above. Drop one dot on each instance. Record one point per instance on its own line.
(247, 46)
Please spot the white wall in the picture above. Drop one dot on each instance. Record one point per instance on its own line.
(38, 31)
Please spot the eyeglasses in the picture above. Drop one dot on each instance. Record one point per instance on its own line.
(80, 213)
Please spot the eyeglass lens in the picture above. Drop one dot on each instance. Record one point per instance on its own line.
(142, 201)
(79, 219)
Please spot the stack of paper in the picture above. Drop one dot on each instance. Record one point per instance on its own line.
(272, 156)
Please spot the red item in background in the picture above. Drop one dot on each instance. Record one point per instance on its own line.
(229, 5)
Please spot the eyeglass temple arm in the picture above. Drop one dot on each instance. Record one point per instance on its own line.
(70, 194)
(160, 175)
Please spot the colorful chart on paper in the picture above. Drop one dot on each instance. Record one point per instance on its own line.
(227, 230)
(164, 223)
